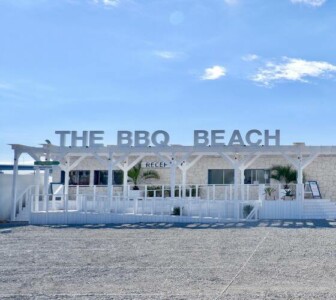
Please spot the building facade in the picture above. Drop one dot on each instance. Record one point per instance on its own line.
(208, 181)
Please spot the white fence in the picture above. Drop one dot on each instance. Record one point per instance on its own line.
(102, 207)
(202, 203)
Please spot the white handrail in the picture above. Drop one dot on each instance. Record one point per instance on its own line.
(19, 200)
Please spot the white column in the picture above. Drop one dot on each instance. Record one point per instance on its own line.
(300, 186)
(66, 182)
(37, 188)
(236, 191)
(78, 204)
(242, 185)
(172, 177)
(91, 178)
(110, 180)
(300, 175)
(14, 184)
(184, 182)
(299, 179)
(236, 184)
(125, 179)
(45, 188)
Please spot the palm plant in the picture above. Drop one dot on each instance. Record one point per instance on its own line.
(284, 174)
(269, 191)
(136, 174)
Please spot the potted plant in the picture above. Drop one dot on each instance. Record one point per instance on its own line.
(285, 175)
(269, 192)
(177, 211)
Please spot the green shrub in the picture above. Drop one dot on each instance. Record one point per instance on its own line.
(247, 210)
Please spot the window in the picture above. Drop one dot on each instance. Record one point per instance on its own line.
(81, 177)
(257, 176)
(220, 176)
(101, 177)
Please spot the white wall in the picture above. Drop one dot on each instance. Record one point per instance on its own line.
(23, 181)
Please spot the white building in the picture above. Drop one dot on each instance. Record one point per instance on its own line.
(199, 183)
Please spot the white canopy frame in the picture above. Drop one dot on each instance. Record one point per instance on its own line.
(182, 157)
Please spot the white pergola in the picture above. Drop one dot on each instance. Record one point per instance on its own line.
(176, 156)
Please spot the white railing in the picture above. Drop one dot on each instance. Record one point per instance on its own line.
(23, 200)
(213, 192)
(159, 206)
(204, 202)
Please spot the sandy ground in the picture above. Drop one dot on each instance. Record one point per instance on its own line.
(264, 260)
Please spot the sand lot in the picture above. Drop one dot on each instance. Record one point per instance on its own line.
(263, 260)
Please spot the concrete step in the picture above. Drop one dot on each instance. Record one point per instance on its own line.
(23, 215)
(22, 218)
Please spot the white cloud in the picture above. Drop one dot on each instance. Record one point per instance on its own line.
(166, 54)
(213, 73)
(292, 69)
(108, 3)
(309, 2)
(250, 57)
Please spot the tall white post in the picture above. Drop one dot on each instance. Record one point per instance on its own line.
(236, 184)
(78, 206)
(37, 188)
(125, 189)
(91, 182)
(45, 188)
(66, 182)
(110, 180)
(172, 177)
(300, 175)
(236, 191)
(242, 185)
(184, 183)
(300, 186)
(14, 184)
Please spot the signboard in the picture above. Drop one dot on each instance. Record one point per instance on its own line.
(161, 138)
(154, 164)
(46, 163)
(315, 189)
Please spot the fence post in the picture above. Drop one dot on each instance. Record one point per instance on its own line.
(261, 196)
(94, 198)
(208, 192)
(77, 197)
(66, 208)
(37, 190)
(300, 197)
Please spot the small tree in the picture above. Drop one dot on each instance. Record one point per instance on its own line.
(269, 191)
(136, 174)
(284, 174)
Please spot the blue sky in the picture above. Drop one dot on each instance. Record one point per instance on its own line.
(165, 64)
